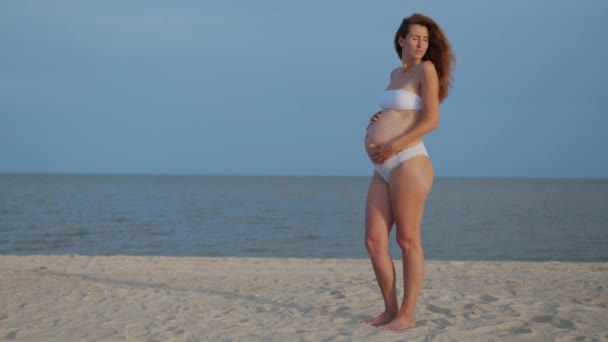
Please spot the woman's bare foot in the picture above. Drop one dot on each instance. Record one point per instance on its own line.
(400, 323)
(383, 318)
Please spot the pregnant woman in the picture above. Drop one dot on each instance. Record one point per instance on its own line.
(404, 174)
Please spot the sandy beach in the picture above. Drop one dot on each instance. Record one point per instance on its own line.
(127, 298)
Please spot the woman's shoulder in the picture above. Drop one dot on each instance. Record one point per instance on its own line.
(394, 72)
(427, 71)
(428, 66)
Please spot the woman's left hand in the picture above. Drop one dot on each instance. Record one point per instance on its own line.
(379, 153)
(374, 118)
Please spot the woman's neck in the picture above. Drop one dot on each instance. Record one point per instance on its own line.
(408, 63)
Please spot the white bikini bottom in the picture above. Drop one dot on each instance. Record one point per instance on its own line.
(385, 168)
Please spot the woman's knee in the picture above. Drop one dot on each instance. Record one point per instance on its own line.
(375, 244)
(409, 242)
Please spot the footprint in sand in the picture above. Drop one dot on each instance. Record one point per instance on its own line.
(520, 330)
(340, 294)
(555, 321)
(486, 299)
(488, 316)
(436, 309)
(11, 335)
(441, 323)
(508, 310)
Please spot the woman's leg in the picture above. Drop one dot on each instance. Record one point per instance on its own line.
(378, 223)
(410, 183)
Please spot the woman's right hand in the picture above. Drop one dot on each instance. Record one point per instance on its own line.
(374, 118)
(379, 153)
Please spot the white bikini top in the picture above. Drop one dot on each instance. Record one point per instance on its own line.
(400, 99)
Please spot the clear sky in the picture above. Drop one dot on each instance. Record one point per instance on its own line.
(274, 87)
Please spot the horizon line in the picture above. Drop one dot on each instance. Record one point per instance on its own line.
(280, 175)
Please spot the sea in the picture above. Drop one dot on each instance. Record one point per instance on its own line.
(296, 217)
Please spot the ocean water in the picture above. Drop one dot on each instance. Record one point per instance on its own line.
(304, 217)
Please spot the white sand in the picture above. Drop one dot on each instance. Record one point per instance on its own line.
(74, 298)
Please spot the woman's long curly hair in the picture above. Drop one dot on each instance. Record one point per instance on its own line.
(439, 51)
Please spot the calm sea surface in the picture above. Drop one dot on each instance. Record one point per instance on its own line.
(305, 217)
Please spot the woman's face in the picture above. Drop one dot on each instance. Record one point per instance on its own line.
(415, 43)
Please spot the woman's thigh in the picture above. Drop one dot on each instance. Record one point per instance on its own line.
(410, 183)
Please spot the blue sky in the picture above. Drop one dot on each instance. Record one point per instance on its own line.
(286, 87)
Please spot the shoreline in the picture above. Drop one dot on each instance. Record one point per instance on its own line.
(149, 298)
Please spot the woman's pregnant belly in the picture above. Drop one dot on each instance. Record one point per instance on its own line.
(390, 124)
